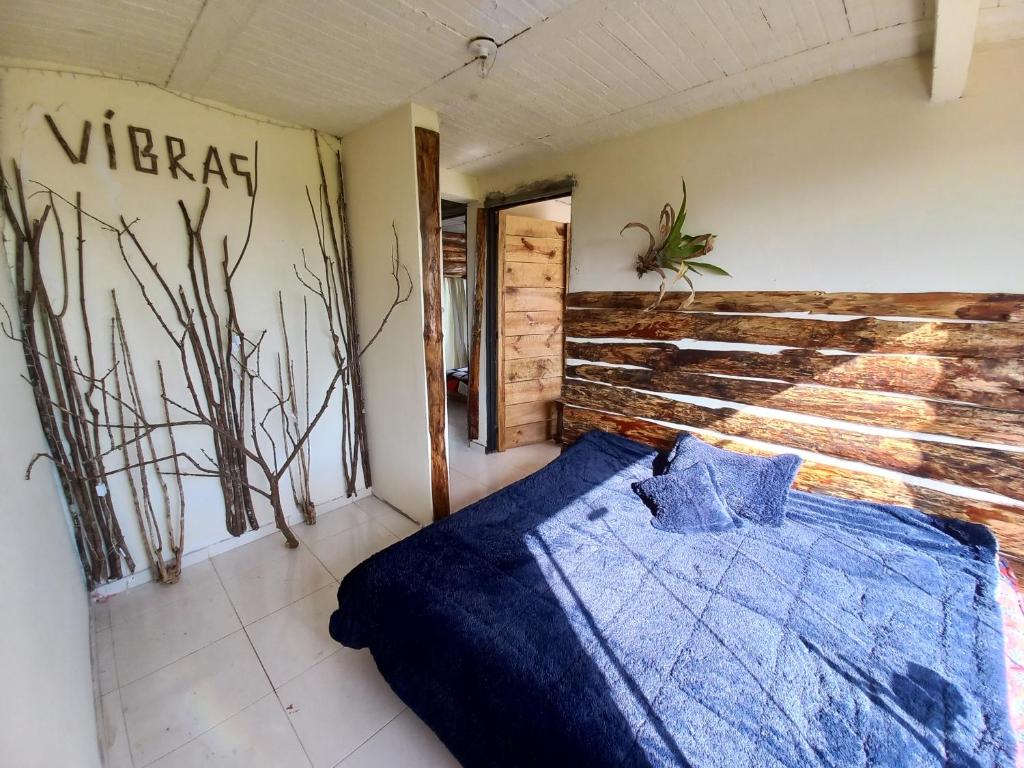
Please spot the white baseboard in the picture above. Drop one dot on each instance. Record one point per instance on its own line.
(143, 576)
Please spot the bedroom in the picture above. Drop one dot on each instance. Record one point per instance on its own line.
(857, 160)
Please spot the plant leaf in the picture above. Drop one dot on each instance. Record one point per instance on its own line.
(715, 270)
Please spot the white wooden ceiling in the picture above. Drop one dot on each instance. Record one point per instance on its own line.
(568, 72)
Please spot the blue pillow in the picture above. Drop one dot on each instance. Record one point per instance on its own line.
(753, 487)
(686, 502)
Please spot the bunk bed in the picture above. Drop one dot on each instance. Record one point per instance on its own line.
(553, 623)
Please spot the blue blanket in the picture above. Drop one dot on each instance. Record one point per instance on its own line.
(552, 625)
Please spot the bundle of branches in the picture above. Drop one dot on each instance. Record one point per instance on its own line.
(675, 251)
(334, 290)
(222, 372)
(65, 393)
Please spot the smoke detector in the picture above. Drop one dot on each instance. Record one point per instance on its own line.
(484, 51)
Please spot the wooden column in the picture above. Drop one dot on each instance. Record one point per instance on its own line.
(473, 404)
(428, 182)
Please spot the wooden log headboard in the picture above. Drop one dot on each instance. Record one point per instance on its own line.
(912, 398)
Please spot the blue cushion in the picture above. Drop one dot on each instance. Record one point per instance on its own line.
(686, 501)
(753, 487)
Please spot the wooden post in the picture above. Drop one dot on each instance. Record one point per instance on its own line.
(473, 399)
(428, 182)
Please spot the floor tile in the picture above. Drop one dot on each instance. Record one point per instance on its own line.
(293, 639)
(494, 470)
(154, 638)
(197, 578)
(113, 739)
(100, 615)
(463, 490)
(270, 583)
(105, 671)
(259, 736)
(386, 515)
(405, 741)
(172, 706)
(333, 522)
(343, 552)
(253, 556)
(338, 704)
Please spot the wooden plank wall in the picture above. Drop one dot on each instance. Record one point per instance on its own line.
(453, 245)
(532, 264)
(926, 385)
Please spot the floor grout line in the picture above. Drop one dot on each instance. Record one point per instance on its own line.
(364, 741)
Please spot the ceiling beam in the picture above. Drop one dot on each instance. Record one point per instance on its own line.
(955, 24)
(212, 35)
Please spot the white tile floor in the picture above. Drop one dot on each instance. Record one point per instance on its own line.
(233, 665)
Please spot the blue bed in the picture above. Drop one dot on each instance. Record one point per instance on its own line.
(552, 625)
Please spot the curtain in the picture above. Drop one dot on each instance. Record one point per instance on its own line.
(455, 309)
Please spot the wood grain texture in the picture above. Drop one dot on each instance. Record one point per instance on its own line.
(529, 323)
(520, 274)
(533, 299)
(993, 383)
(527, 434)
(534, 345)
(987, 425)
(476, 325)
(817, 477)
(429, 197)
(533, 368)
(533, 389)
(947, 306)
(537, 250)
(990, 340)
(969, 466)
(516, 415)
(525, 226)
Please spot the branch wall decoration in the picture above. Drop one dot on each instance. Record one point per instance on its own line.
(96, 424)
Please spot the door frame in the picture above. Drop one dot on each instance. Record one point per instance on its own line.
(493, 205)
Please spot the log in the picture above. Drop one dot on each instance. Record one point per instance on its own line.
(868, 334)
(994, 383)
(970, 466)
(1005, 520)
(945, 306)
(429, 191)
(987, 425)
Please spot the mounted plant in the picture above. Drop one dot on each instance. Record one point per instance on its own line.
(677, 254)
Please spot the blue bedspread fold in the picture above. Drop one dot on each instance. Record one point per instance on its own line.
(552, 625)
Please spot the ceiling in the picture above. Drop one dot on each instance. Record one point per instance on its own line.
(568, 72)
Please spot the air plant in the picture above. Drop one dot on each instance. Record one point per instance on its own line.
(677, 254)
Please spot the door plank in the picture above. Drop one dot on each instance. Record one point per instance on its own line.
(526, 226)
(533, 299)
(529, 413)
(533, 368)
(525, 323)
(539, 250)
(535, 345)
(533, 389)
(524, 275)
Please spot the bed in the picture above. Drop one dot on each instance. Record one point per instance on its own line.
(551, 624)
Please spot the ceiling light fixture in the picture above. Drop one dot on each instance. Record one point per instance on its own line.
(484, 51)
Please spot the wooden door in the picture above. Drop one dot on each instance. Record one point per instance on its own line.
(532, 276)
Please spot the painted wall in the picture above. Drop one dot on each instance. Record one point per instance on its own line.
(283, 229)
(48, 716)
(853, 183)
(380, 178)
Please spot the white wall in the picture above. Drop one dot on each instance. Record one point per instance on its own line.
(380, 177)
(283, 228)
(857, 182)
(47, 717)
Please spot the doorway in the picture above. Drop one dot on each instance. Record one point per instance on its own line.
(528, 266)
